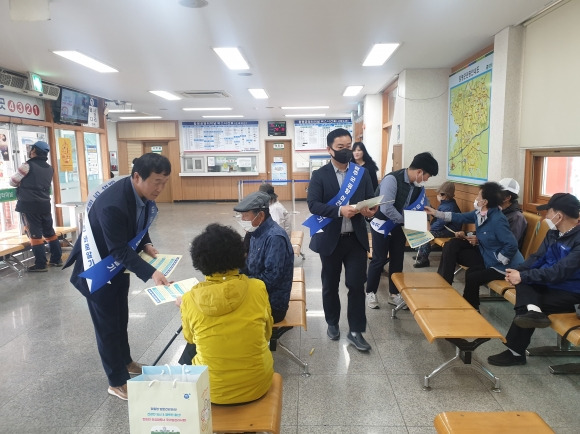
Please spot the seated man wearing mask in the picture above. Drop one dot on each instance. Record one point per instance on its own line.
(547, 282)
(270, 255)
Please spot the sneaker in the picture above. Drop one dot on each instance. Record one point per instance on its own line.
(135, 368)
(356, 338)
(395, 299)
(372, 300)
(532, 320)
(421, 263)
(55, 264)
(506, 358)
(119, 391)
(333, 332)
(36, 269)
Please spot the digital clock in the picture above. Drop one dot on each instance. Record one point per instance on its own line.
(276, 128)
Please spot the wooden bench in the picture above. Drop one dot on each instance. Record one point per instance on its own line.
(298, 275)
(262, 415)
(62, 231)
(442, 313)
(296, 238)
(7, 250)
(513, 422)
(295, 317)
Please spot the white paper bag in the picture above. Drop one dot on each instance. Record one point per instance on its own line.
(170, 399)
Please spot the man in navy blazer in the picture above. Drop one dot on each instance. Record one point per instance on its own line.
(343, 238)
(116, 215)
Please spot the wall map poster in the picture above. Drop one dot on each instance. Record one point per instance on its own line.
(310, 135)
(226, 136)
(469, 115)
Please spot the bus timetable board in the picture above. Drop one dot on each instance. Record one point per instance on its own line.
(223, 136)
(310, 135)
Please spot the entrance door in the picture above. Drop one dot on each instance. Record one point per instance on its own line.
(279, 166)
(163, 149)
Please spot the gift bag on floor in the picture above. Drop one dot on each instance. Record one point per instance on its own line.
(170, 399)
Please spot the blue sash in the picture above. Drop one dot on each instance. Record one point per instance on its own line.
(351, 181)
(387, 226)
(101, 271)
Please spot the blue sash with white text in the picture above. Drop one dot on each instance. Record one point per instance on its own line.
(386, 226)
(351, 181)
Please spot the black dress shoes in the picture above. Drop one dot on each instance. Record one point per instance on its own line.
(507, 358)
(333, 332)
(532, 320)
(422, 263)
(356, 338)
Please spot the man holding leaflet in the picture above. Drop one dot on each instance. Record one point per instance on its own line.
(402, 190)
(339, 234)
(116, 228)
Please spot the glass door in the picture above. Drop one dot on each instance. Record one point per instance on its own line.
(93, 159)
(68, 170)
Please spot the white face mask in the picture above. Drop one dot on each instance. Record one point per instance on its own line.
(247, 224)
(551, 224)
(419, 184)
(440, 198)
(476, 206)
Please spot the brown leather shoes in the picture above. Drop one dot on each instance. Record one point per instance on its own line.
(135, 368)
(119, 391)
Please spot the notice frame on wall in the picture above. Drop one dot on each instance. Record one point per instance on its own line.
(222, 136)
(310, 134)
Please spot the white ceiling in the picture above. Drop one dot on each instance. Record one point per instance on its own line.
(303, 52)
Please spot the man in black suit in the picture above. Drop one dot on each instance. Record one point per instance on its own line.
(116, 229)
(339, 234)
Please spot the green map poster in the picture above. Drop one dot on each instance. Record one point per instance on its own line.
(469, 115)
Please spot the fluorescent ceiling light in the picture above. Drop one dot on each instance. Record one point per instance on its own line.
(205, 109)
(136, 118)
(314, 107)
(232, 57)
(85, 60)
(222, 116)
(379, 54)
(258, 93)
(121, 111)
(308, 115)
(352, 90)
(167, 95)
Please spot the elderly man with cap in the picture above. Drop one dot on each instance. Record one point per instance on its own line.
(548, 281)
(446, 198)
(33, 180)
(511, 209)
(270, 255)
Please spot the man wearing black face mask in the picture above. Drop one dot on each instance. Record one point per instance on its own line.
(339, 234)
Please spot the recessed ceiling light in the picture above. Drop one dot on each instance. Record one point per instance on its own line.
(258, 93)
(205, 109)
(352, 90)
(232, 57)
(137, 118)
(314, 107)
(121, 111)
(83, 59)
(164, 94)
(307, 115)
(379, 54)
(193, 3)
(223, 116)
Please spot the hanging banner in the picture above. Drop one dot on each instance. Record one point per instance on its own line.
(65, 154)
(21, 106)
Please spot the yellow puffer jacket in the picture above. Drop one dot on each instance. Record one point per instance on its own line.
(229, 319)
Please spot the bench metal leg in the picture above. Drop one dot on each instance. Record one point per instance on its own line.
(397, 308)
(567, 368)
(562, 348)
(463, 357)
(295, 359)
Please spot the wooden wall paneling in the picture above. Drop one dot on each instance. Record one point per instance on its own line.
(82, 164)
(175, 161)
(122, 157)
(223, 188)
(300, 187)
(134, 150)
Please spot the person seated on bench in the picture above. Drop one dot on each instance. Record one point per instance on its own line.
(497, 245)
(463, 249)
(270, 255)
(446, 198)
(547, 282)
(228, 319)
(277, 211)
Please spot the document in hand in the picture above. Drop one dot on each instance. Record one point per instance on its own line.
(417, 238)
(164, 294)
(164, 263)
(371, 203)
(416, 220)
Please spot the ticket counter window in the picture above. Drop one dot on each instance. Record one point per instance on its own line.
(68, 170)
(93, 161)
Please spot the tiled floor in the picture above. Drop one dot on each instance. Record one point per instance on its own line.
(51, 379)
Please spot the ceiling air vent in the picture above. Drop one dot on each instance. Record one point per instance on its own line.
(204, 94)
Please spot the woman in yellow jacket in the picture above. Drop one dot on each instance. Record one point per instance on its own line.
(228, 318)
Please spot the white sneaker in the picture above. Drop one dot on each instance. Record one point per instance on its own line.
(395, 299)
(372, 300)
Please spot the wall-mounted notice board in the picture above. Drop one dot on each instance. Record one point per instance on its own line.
(310, 135)
(226, 136)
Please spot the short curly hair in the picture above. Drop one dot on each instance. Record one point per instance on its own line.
(493, 193)
(217, 249)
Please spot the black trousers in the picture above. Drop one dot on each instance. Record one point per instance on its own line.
(476, 276)
(396, 255)
(39, 226)
(550, 300)
(354, 257)
(457, 251)
(109, 308)
(378, 261)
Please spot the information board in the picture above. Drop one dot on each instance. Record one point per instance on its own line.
(223, 136)
(310, 135)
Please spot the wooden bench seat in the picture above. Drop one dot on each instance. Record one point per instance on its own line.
(296, 238)
(295, 317)
(433, 298)
(416, 280)
(298, 275)
(262, 415)
(298, 291)
(6, 255)
(513, 422)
